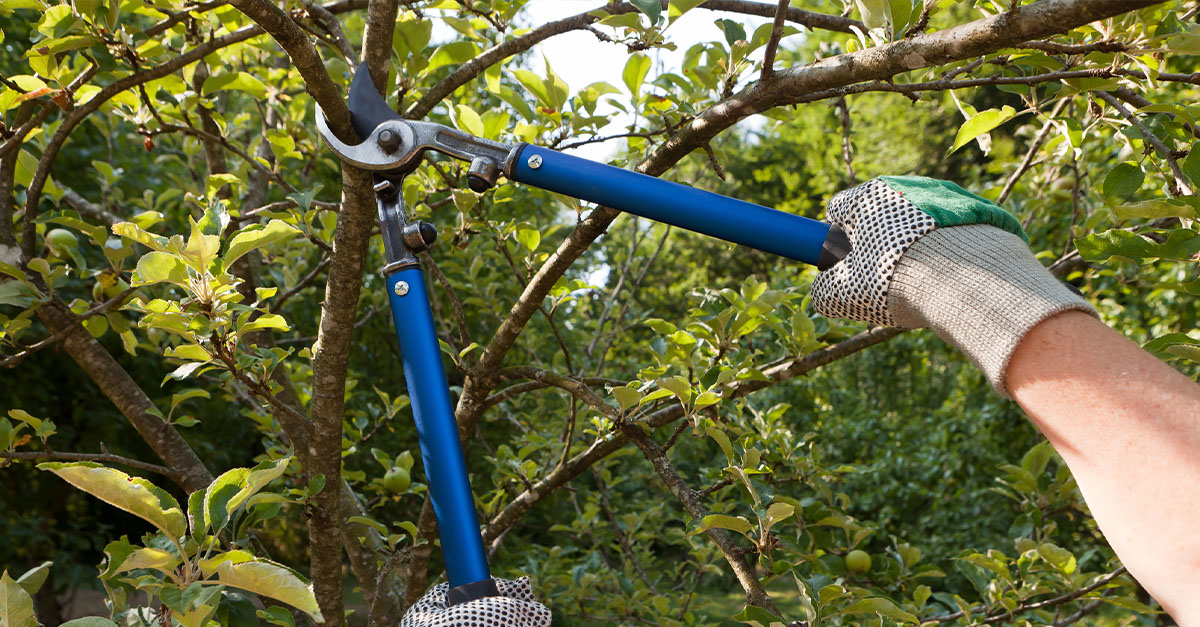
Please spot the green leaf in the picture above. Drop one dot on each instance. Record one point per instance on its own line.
(452, 54)
(259, 477)
(1060, 558)
(652, 8)
(218, 494)
(722, 521)
(752, 614)
(1191, 164)
(875, 13)
(132, 494)
(1116, 242)
(156, 267)
(134, 232)
(148, 558)
(33, 578)
(679, 7)
(239, 81)
(255, 237)
(89, 621)
(1123, 180)
(878, 605)
(190, 352)
(626, 396)
(271, 580)
(778, 512)
(468, 120)
(734, 32)
(234, 487)
(981, 123)
(722, 441)
(1151, 209)
(56, 20)
(265, 321)
(16, 605)
(529, 238)
(635, 72)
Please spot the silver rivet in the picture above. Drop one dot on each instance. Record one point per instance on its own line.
(535, 162)
(401, 288)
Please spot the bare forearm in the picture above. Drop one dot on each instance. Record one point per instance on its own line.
(1128, 426)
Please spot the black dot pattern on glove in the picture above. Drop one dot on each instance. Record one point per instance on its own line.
(881, 225)
(516, 607)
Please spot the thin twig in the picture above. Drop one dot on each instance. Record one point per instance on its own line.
(89, 457)
(847, 147)
(768, 65)
(1059, 600)
(1180, 186)
(1027, 161)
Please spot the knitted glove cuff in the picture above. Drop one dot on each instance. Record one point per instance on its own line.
(978, 287)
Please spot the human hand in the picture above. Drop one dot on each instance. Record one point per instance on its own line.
(515, 607)
(927, 253)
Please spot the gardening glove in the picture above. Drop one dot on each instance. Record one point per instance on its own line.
(928, 253)
(515, 607)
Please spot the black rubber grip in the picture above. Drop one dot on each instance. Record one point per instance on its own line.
(835, 248)
(471, 591)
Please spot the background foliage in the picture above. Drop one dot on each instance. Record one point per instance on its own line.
(661, 432)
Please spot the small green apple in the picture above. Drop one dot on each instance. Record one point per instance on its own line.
(858, 561)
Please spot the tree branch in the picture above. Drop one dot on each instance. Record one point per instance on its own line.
(305, 58)
(469, 70)
(331, 353)
(768, 65)
(1059, 600)
(1034, 145)
(187, 469)
(1180, 185)
(755, 594)
(377, 41)
(965, 41)
(90, 457)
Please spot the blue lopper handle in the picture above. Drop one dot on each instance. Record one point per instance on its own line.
(769, 230)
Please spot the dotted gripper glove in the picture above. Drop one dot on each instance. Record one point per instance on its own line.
(515, 607)
(928, 253)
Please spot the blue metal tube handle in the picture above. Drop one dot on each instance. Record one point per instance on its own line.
(441, 450)
(732, 220)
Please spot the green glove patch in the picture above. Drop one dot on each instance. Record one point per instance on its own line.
(951, 205)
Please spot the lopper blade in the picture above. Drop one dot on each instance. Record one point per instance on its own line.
(367, 108)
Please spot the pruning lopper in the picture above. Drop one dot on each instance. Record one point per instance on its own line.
(393, 148)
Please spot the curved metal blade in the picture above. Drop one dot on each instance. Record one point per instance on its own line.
(367, 108)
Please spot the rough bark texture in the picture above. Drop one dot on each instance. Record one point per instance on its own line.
(330, 357)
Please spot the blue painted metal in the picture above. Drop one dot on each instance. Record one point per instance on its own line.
(441, 451)
(732, 220)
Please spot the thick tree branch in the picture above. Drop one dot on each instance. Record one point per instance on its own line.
(1033, 21)
(377, 41)
(469, 70)
(331, 353)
